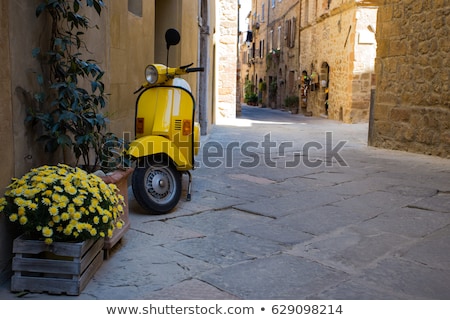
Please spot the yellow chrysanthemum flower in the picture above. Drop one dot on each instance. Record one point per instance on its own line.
(23, 220)
(71, 209)
(47, 232)
(20, 202)
(78, 201)
(32, 206)
(13, 217)
(76, 215)
(21, 211)
(71, 190)
(53, 210)
(65, 216)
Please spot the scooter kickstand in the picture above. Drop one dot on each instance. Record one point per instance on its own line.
(188, 196)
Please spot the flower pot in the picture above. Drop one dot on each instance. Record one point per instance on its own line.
(120, 179)
(58, 268)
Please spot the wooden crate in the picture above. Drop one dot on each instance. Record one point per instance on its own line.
(59, 268)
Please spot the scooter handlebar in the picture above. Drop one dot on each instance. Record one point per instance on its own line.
(197, 69)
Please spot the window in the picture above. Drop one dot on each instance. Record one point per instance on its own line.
(273, 3)
(135, 7)
(262, 12)
(261, 49)
(290, 32)
(279, 38)
(271, 40)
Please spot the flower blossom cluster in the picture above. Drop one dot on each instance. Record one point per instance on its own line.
(63, 203)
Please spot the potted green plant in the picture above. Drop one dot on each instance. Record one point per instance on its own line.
(69, 107)
(292, 103)
(72, 96)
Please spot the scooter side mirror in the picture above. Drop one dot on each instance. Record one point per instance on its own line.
(172, 38)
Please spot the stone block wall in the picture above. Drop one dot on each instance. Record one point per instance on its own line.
(412, 104)
(226, 60)
(340, 37)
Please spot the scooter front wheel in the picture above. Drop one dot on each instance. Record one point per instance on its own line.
(156, 186)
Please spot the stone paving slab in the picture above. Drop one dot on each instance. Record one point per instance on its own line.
(324, 219)
(414, 280)
(190, 290)
(410, 222)
(217, 222)
(350, 249)
(284, 205)
(225, 249)
(430, 251)
(276, 277)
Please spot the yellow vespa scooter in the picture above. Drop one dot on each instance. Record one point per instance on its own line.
(167, 137)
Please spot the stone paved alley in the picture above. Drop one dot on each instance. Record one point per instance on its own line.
(282, 210)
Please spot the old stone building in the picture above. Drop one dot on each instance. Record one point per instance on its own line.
(130, 36)
(331, 42)
(412, 104)
(270, 51)
(337, 51)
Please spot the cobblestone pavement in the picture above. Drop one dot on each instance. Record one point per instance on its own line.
(289, 207)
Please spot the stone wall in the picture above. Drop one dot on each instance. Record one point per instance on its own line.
(226, 60)
(338, 46)
(412, 104)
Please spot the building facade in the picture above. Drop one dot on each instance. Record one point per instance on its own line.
(270, 53)
(337, 51)
(317, 55)
(130, 36)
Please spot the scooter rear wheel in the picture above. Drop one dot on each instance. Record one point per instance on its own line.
(156, 185)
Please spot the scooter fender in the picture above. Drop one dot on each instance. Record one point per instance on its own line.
(150, 145)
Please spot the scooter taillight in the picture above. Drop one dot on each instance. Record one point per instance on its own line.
(140, 125)
(187, 127)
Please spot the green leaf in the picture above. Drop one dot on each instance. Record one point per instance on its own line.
(40, 9)
(76, 5)
(51, 145)
(64, 140)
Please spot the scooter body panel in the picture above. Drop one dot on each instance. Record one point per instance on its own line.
(152, 145)
(167, 112)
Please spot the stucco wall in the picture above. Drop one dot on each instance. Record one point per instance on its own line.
(7, 145)
(130, 43)
(412, 108)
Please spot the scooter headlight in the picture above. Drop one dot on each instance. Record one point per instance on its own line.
(151, 74)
